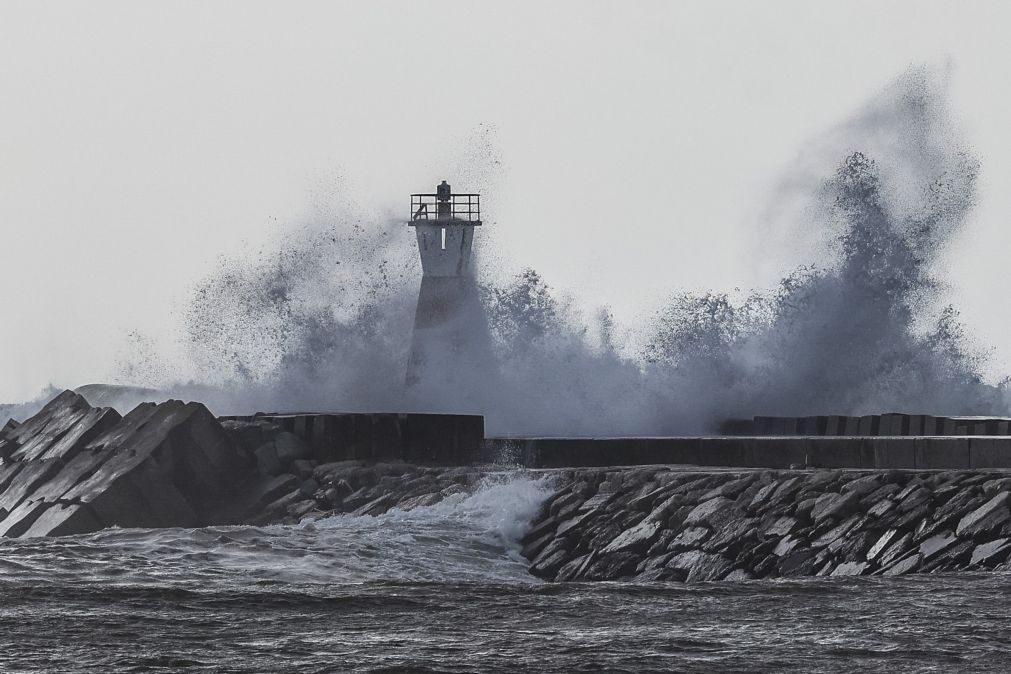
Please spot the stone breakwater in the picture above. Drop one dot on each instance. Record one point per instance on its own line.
(667, 524)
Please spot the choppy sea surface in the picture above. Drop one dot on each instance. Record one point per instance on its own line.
(443, 589)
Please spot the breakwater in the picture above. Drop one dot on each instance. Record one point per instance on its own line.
(664, 524)
(905, 452)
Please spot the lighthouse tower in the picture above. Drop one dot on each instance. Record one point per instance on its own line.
(450, 347)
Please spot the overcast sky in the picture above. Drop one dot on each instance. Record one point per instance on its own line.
(141, 141)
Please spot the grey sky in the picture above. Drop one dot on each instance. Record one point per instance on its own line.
(640, 143)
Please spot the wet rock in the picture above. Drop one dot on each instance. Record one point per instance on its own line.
(550, 560)
(895, 550)
(850, 569)
(785, 546)
(903, 566)
(914, 499)
(303, 469)
(991, 553)
(547, 525)
(988, 516)
(636, 539)
(881, 508)
(781, 526)
(763, 497)
(738, 575)
(267, 462)
(836, 532)
(533, 547)
(881, 544)
(689, 538)
(700, 566)
(797, 563)
(936, 544)
(712, 512)
(835, 506)
(612, 566)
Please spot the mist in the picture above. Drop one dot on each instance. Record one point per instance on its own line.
(322, 321)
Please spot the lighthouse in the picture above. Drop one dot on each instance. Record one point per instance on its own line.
(450, 356)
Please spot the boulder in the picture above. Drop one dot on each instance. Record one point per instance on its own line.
(612, 566)
(713, 512)
(289, 447)
(991, 553)
(988, 516)
(267, 461)
(835, 506)
(850, 569)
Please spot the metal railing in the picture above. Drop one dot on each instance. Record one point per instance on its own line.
(466, 207)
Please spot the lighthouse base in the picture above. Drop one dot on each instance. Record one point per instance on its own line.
(451, 358)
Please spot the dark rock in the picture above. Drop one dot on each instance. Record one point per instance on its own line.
(309, 487)
(713, 512)
(734, 536)
(612, 566)
(914, 499)
(797, 563)
(637, 539)
(781, 526)
(689, 538)
(903, 566)
(546, 525)
(912, 519)
(835, 506)
(303, 469)
(267, 462)
(987, 517)
(881, 508)
(271, 488)
(836, 532)
(738, 575)
(878, 495)
(533, 547)
(895, 550)
(700, 566)
(862, 486)
(662, 543)
(882, 543)
(550, 560)
(991, 553)
(850, 569)
(574, 568)
(936, 544)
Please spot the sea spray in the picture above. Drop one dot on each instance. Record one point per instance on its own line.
(324, 321)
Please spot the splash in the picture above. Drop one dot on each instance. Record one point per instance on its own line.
(323, 322)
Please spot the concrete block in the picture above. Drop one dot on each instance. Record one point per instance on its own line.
(869, 425)
(990, 452)
(892, 452)
(852, 427)
(930, 426)
(893, 425)
(916, 422)
(942, 453)
(764, 425)
(835, 425)
(839, 453)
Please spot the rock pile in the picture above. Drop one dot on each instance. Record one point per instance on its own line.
(662, 524)
(73, 468)
(358, 488)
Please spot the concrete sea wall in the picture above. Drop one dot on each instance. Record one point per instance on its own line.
(891, 424)
(948, 452)
(666, 524)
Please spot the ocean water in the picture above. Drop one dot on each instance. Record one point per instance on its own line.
(443, 589)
